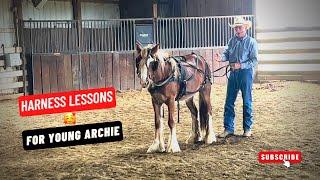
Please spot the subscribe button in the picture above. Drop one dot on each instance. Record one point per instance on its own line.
(278, 157)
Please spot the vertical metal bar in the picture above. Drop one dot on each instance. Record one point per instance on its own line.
(160, 32)
(186, 33)
(210, 32)
(178, 33)
(120, 34)
(174, 22)
(230, 29)
(79, 48)
(223, 30)
(181, 33)
(98, 35)
(202, 32)
(214, 33)
(113, 36)
(196, 33)
(108, 39)
(90, 36)
(130, 35)
(169, 33)
(191, 33)
(134, 33)
(63, 39)
(166, 33)
(127, 35)
(189, 37)
(220, 31)
(32, 54)
(156, 36)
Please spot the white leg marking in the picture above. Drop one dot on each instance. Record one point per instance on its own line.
(158, 143)
(210, 136)
(173, 145)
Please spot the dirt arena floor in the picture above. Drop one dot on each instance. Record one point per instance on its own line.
(286, 118)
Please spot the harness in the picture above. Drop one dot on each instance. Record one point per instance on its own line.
(182, 79)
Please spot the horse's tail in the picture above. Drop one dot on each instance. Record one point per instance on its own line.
(203, 109)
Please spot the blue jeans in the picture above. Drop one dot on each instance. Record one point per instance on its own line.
(241, 79)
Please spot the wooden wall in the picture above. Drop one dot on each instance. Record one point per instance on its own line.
(66, 72)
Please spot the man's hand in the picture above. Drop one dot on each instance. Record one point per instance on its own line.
(217, 57)
(235, 66)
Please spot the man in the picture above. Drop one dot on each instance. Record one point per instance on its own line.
(242, 52)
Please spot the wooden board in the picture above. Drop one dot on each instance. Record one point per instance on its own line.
(131, 65)
(61, 74)
(53, 74)
(93, 71)
(108, 68)
(10, 74)
(137, 84)
(123, 71)
(85, 72)
(75, 66)
(68, 72)
(45, 76)
(1, 63)
(101, 71)
(12, 86)
(116, 71)
(37, 82)
(11, 96)
(11, 50)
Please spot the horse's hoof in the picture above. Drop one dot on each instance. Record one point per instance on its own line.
(210, 139)
(156, 147)
(173, 148)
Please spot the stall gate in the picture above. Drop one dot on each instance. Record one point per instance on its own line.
(81, 54)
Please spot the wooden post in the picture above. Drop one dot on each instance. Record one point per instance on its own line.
(155, 10)
(19, 38)
(76, 7)
(155, 16)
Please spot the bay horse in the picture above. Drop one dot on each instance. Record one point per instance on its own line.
(171, 79)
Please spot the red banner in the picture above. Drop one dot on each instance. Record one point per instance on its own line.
(280, 156)
(67, 101)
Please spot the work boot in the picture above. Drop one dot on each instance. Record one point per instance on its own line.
(247, 133)
(225, 134)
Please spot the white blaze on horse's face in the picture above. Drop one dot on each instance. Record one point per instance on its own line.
(144, 77)
(146, 59)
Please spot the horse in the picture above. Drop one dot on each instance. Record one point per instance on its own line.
(169, 79)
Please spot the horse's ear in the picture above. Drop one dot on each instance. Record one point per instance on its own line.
(155, 49)
(138, 47)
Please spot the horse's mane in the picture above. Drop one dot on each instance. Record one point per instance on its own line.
(163, 57)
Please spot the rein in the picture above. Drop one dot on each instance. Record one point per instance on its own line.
(228, 69)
